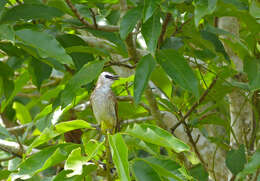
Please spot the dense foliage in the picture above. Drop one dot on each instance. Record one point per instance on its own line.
(180, 70)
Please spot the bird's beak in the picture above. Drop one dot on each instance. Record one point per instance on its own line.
(112, 77)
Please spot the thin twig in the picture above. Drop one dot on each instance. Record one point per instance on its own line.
(94, 18)
(178, 29)
(108, 28)
(196, 104)
(137, 120)
(164, 26)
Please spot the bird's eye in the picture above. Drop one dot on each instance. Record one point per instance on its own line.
(108, 76)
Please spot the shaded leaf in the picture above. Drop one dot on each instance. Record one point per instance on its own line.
(39, 71)
(254, 8)
(144, 69)
(172, 43)
(45, 44)
(119, 153)
(151, 31)
(199, 173)
(252, 166)
(202, 8)
(29, 12)
(150, 7)
(129, 21)
(144, 172)
(236, 159)
(252, 69)
(6, 32)
(155, 135)
(85, 49)
(178, 69)
(216, 42)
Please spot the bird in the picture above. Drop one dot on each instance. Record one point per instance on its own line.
(104, 104)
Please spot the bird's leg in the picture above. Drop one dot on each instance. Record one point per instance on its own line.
(108, 158)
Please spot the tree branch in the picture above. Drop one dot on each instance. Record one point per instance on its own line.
(153, 106)
(164, 26)
(108, 28)
(137, 120)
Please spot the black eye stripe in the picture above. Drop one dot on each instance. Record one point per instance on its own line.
(109, 76)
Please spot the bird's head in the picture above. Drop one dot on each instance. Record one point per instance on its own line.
(106, 79)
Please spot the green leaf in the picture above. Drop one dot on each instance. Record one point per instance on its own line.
(85, 49)
(172, 43)
(43, 159)
(45, 44)
(19, 83)
(236, 159)
(75, 162)
(6, 32)
(59, 129)
(5, 70)
(155, 135)
(252, 166)
(144, 172)
(84, 76)
(164, 167)
(252, 69)
(144, 69)
(216, 42)
(129, 21)
(4, 132)
(151, 31)
(150, 7)
(254, 8)
(178, 69)
(199, 173)
(4, 174)
(39, 71)
(22, 114)
(119, 153)
(72, 125)
(203, 8)
(29, 12)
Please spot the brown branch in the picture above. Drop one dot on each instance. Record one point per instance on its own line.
(164, 26)
(94, 18)
(137, 120)
(196, 104)
(7, 159)
(178, 29)
(131, 49)
(108, 28)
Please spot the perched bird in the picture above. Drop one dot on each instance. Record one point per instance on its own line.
(104, 103)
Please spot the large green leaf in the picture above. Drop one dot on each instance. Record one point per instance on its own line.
(144, 69)
(178, 69)
(29, 12)
(252, 166)
(202, 8)
(151, 31)
(164, 167)
(236, 159)
(45, 44)
(76, 161)
(119, 153)
(150, 7)
(22, 114)
(144, 172)
(39, 71)
(43, 159)
(19, 83)
(84, 76)
(155, 135)
(59, 129)
(129, 21)
(252, 68)
(216, 42)
(199, 173)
